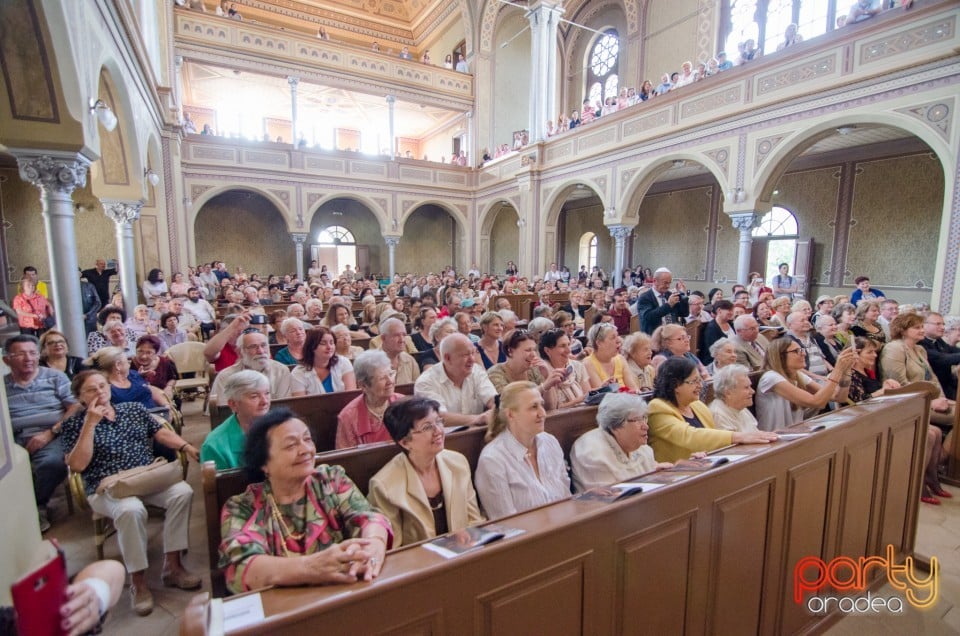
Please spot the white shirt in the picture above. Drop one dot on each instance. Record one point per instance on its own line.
(470, 399)
(200, 310)
(775, 412)
(551, 275)
(505, 479)
(598, 460)
(727, 418)
(304, 379)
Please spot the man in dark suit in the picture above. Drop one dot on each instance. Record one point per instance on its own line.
(661, 304)
(942, 356)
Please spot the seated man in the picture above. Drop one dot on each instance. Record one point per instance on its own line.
(751, 348)
(247, 393)
(462, 388)
(942, 356)
(392, 341)
(255, 355)
(621, 312)
(201, 311)
(39, 400)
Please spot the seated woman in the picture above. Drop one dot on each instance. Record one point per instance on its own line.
(421, 328)
(361, 420)
(845, 314)
(126, 385)
(53, 354)
(313, 310)
(105, 438)
(139, 323)
(826, 339)
(764, 315)
(171, 334)
(617, 449)
(671, 341)
(438, 331)
(605, 365)
(575, 385)
(786, 395)
(724, 353)
(99, 339)
(521, 467)
(524, 363)
(294, 334)
(275, 335)
(865, 380)
(489, 346)
(337, 314)
(344, 343)
(294, 508)
(158, 370)
(680, 424)
(247, 393)
(733, 396)
(321, 370)
(638, 350)
(426, 490)
(781, 309)
(867, 326)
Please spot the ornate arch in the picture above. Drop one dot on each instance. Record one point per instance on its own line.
(640, 183)
(375, 208)
(458, 215)
(202, 198)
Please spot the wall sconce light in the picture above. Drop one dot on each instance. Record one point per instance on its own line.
(104, 114)
(845, 130)
(151, 176)
(521, 223)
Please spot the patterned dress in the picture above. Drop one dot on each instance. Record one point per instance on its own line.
(333, 510)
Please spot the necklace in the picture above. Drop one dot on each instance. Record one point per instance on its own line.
(285, 531)
(378, 412)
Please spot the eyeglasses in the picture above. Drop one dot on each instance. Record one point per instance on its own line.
(56, 342)
(682, 336)
(24, 354)
(429, 427)
(696, 382)
(636, 420)
(798, 350)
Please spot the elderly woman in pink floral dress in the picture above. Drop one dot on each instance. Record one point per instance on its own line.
(297, 509)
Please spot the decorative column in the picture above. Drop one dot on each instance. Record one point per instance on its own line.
(178, 86)
(391, 107)
(544, 16)
(392, 242)
(57, 175)
(123, 214)
(745, 222)
(472, 151)
(299, 238)
(295, 129)
(620, 234)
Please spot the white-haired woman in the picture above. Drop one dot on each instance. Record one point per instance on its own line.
(617, 449)
(438, 331)
(733, 396)
(247, 393)
(638, 350)
(724, 353)
(313, 309)
(344, 342)
(295, 334)
(361, 420)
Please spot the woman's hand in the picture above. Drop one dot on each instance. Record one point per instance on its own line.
(890, 383)
(554, 377)
(191, 451)
(940, 405)
(754, 437)
(342, 562)
(81, 612)
(846, 360)
(663, 465)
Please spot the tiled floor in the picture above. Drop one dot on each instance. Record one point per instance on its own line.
(939, 535)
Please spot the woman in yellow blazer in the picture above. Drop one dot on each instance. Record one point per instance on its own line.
(426, 490)
(680, 424)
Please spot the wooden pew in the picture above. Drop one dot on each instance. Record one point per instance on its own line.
(727, 538)
(319, 412)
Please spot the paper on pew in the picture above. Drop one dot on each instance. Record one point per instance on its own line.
(241, 611)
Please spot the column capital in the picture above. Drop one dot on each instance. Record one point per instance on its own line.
(620, 232)
(293, 81)
(391, 241)
(745, 221)
(178, 61)
(121, 212)
(391, 99)
(299, 237)
(52, 172)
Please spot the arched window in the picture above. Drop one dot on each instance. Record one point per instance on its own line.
(765, 21)
(777, 233)
(336, 248)
(603, 64)
(588, 250)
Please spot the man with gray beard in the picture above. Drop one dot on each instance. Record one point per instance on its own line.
(255, 355)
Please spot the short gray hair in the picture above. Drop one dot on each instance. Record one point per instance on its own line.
(312, 302)
(366, 365)
(391, 320)
(440, 324)
(718, 344)
(743, 321)
(337, 328)
(725, 379)
(617, 408)
(290, 322)
(508, 315)
(538, 326)
(242, 382)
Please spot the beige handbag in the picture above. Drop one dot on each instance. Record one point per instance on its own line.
(142, 480)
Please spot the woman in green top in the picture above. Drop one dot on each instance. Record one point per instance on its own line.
(248, 396)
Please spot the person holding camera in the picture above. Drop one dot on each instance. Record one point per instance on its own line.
(254, 353)
(662, 305)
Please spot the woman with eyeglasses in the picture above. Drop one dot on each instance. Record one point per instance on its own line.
(680, 424)
(671, 341)
(361, 420)
(617, 449)
(786, 394)
(425, 490)
(53, 354)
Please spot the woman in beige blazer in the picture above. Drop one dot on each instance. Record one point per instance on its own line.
(426, 490)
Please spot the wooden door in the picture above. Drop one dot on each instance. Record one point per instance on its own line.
(363, 259)
(803, 267)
